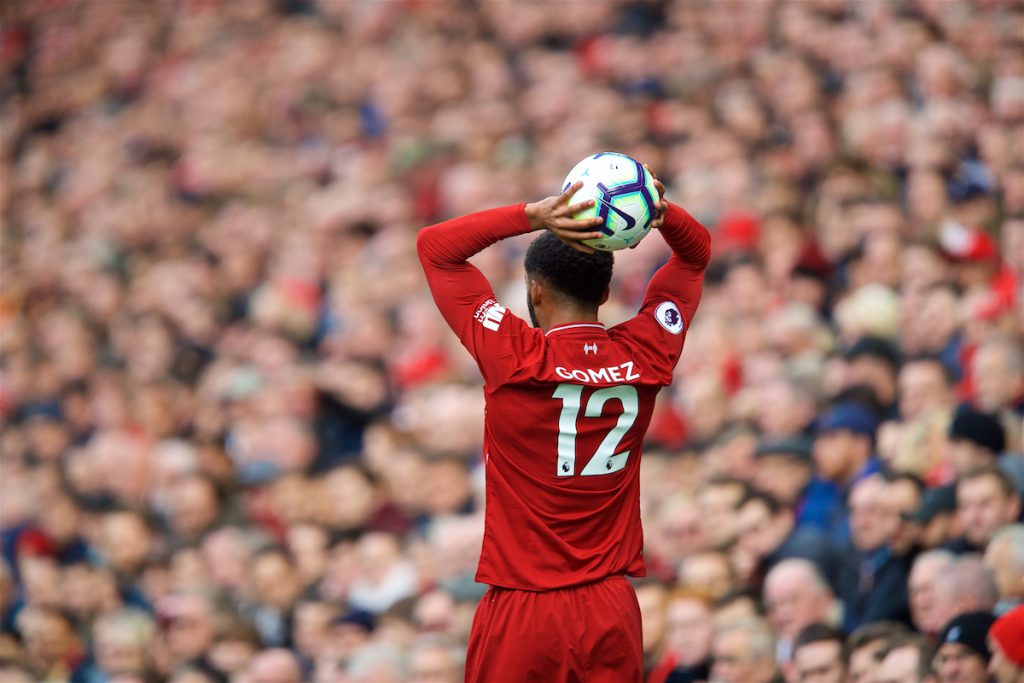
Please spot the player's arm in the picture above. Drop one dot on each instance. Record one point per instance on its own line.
(674, 291)
(682, 278)
(460, 290)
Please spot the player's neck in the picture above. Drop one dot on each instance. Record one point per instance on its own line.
(567, 316)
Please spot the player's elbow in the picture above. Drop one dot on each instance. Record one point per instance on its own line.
(700, 255)
(425, 246)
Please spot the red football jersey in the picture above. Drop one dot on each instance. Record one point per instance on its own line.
(566, 410)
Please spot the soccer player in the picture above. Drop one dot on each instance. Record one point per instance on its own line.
(568, 402)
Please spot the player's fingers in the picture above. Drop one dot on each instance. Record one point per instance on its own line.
(653, 174)
(579, 246)
(577, 230)
(576, 226)
(569, 192)
(577, 207)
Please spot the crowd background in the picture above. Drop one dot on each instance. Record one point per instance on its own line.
(239, 444)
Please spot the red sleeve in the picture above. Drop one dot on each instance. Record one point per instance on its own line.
(672, 295)
(496, 338)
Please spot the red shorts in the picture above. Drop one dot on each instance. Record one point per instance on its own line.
(584, 634)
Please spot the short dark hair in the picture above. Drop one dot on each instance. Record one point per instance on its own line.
(893, 476)
(935, 360)
(818, 633)
(924, 645)
(768, 500)
(870, 633)
(583, 278)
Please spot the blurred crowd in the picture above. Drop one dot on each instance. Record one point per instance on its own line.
(239, 444)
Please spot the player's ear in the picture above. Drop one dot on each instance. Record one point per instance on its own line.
(607, 293)
(536, 292)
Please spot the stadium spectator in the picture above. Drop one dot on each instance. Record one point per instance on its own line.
(766, 535)
(921, 587)
(187, 621)
(906, 658)
(434, 660)
(1004, 642)
(843, 454)
(275, 588)
(743, 652)
(965, 585)
(689, 631)
(1004, 558)
(903, 497)
(274, 666)
(986, 500)
(975, 440)
(873, 362)
(817, 655)
(784, 469)
(874, 582)
(997, 376)
(796, 595)
(718, 502)
(963, 653)
(53, 651)
(864, 648)
(651, 597)
(708, 572)
(939, 524)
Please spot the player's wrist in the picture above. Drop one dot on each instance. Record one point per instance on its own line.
(533, 215)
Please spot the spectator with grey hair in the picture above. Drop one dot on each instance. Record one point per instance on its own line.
(124, 642)
(921, 590)
(966, 585)
(1004, 557)
(435, 659)
(377, 663)
(796, 595)
(997, 375)
(188, 630)
(744, 652)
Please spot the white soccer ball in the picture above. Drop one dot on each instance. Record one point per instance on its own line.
(624, 196)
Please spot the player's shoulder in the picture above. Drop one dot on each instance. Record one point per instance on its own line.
(656, 317)
(501, 325)
(493, 316)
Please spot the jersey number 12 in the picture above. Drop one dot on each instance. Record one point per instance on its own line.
(605, 460)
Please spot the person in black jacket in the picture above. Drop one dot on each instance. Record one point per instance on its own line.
(874, 579)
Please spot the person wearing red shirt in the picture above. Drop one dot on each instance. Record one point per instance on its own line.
(567, 404)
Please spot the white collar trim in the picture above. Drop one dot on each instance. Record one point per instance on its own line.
(569, 327)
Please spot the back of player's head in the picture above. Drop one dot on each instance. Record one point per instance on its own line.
(583, 278)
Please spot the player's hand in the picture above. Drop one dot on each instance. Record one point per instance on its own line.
(556, 214)
(661, 205)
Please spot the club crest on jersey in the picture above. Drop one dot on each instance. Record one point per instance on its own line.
(590, 348)
(668, 316)
(490, 314)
